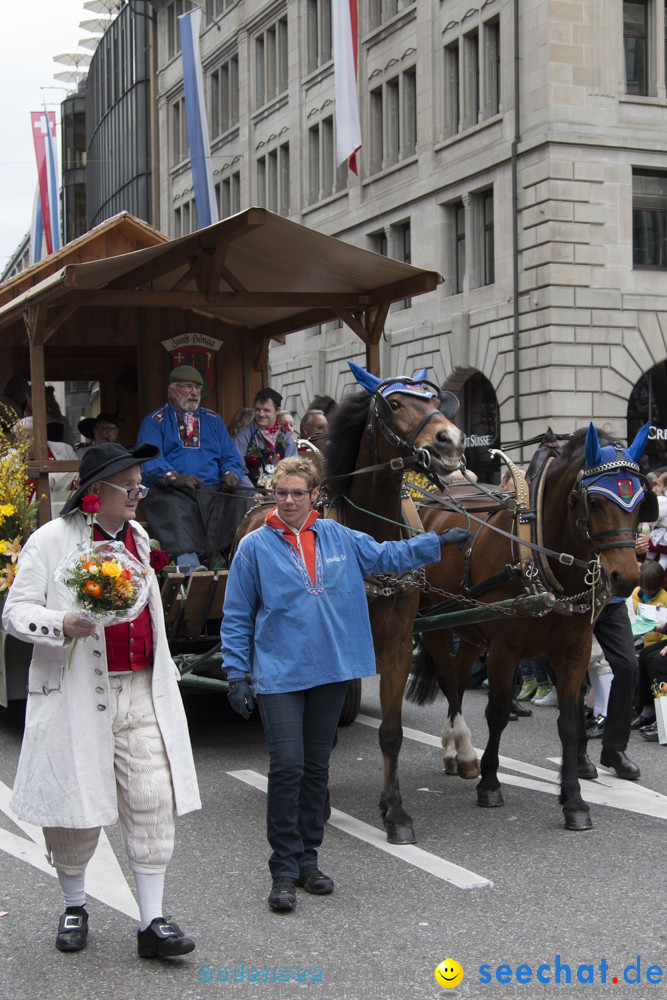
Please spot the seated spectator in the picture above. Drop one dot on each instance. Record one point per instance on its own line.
(240, 420)
(192, 507)
(14, 397)
(263, 443)
(60, 483)
(54, 415)
(286, 421)
(101, 429)
(314, 425)
(652, 662)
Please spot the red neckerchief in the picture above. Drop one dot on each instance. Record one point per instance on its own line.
(303, 540)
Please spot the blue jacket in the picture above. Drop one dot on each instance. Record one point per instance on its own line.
(209, 456)
(292, 634)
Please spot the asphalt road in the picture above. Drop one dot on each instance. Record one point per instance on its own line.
(590, 898)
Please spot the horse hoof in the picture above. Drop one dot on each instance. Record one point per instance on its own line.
(489, 799)
(468, 768)
(451, 765)
(400, 833)
(577, 819)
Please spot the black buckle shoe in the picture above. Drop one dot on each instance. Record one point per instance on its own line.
(283, 894)
(313, 880)
(72, 930)
(163, 939)
(596, 729)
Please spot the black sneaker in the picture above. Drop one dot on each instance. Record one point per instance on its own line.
(163, 939)
(283, 894)
(312, 880)
(72, 929)
(650, 732)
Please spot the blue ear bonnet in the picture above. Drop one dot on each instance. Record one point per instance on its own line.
(371, 383)
(614, 470)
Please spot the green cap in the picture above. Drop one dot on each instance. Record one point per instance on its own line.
(185, 373)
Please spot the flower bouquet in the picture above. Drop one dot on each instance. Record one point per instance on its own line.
(659, 691)
(103, 582)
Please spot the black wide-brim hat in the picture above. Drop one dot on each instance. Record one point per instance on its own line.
(87, 425)
(104, 460)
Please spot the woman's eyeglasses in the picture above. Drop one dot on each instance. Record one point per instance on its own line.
(134, 493)
(296, 495)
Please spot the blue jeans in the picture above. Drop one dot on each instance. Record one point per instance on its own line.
(300, 727)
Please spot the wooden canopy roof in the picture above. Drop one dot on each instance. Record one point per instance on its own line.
(255, 270)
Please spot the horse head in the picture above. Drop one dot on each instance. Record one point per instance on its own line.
(412, 416)
(609, 495)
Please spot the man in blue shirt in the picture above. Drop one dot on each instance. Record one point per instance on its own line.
(191, 507)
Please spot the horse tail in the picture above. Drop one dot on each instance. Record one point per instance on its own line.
(422, 687)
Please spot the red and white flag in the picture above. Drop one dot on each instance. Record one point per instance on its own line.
(345, 39)
(43, 134)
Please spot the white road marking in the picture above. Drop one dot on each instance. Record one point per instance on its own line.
(462, 878)
(104, 878)
(606, 790)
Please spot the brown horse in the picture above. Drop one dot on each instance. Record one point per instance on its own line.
(373, 437)
(597, 534)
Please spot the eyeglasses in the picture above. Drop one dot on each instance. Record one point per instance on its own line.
(134, 493)
(188, 386)
(296, 495)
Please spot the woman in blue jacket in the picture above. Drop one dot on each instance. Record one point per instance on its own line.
(296, 619)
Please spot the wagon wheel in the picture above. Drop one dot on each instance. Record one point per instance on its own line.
(350, 709)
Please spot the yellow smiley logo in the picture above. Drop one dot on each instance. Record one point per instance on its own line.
(449, 973)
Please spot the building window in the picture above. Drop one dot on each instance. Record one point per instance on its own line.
(318, 27)
(393, 120)
(649, 219)
(273, 180)
(324, 176)
(491, 68)
(228, 195)
(224, 97)
(471, 78)
(185, 219)
(459, 218)
(380, 11)
(395, 242)
(271, 66)
(179, 134)
(452, 94)
(174, 11)
(635, 42)
(488, 240)
(471, 69)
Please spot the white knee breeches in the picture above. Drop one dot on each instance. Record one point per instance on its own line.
(143, 786)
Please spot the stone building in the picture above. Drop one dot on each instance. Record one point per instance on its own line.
(518, 147)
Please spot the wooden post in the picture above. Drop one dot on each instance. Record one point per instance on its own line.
(35, 322)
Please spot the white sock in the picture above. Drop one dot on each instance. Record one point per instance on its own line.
(73, 889)
(601, 684)
(149, 896)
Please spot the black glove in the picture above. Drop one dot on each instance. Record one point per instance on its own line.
(239, 695)
(455, 536)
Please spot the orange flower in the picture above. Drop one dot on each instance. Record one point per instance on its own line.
(92, 588)
(125, 573)
(91, 567)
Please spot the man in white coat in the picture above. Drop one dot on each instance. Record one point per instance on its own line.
(106, 736)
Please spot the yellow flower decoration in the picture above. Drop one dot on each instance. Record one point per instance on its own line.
(110, 569)
(13, 549)
(7, 509)
(4, 545)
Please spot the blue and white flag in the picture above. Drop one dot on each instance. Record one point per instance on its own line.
(195, 116)
(37, 249)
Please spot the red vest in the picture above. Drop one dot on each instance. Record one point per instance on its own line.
(129, 644)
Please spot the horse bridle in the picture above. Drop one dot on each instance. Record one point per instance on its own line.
(586, 479)
(420, 456)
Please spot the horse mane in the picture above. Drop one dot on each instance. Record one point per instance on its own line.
(344, 437)
(572, 451)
